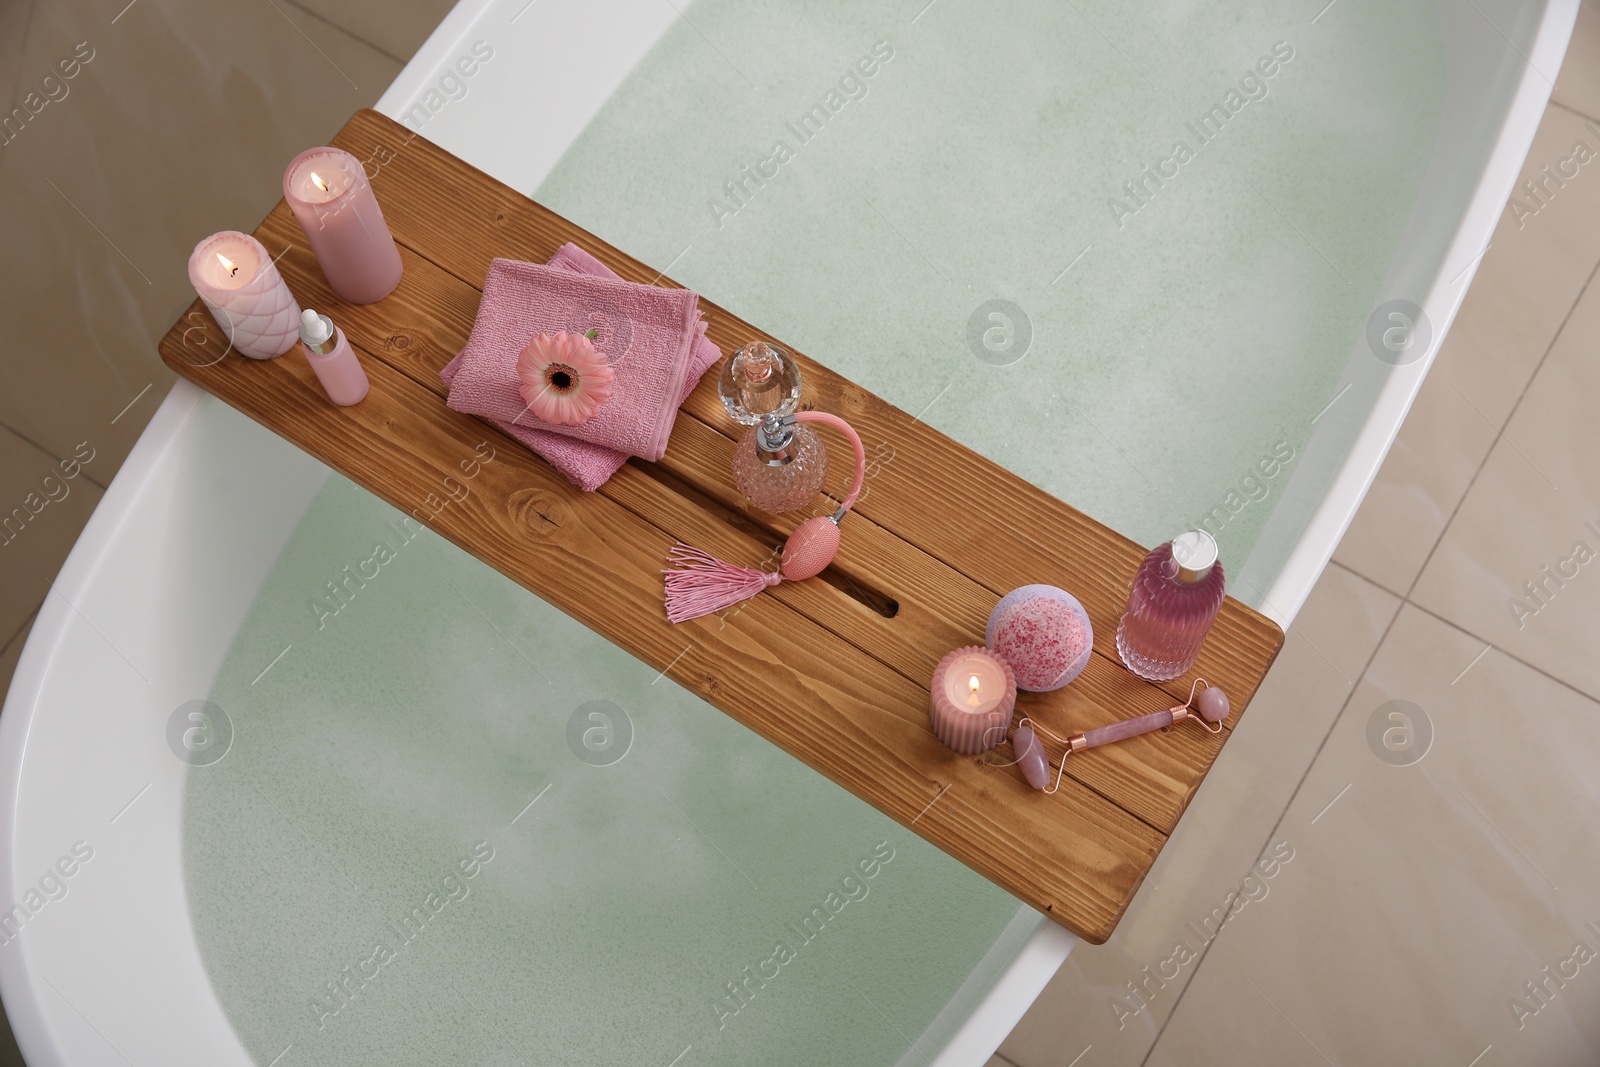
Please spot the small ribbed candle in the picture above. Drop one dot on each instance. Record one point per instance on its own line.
(971, 699)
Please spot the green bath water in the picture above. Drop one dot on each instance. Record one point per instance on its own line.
(412, 854)
(1175, 340)
(336, 855)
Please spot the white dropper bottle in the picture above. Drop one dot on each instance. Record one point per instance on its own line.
(332, 358)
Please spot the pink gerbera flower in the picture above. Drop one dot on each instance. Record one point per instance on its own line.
(565, 379)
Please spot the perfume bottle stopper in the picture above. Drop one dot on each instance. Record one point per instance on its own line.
(778, 465)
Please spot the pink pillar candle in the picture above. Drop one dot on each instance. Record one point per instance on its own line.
(240, 284)
(330, 195)
(971, 699)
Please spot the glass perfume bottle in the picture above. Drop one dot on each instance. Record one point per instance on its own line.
(1176, 595)
(779, 464)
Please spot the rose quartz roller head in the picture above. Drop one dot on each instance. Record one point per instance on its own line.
(1030, 756)
(1207, 703)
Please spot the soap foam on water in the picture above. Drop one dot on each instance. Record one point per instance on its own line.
(979, 166)
(396, 736)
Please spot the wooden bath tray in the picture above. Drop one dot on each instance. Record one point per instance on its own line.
(834, 670)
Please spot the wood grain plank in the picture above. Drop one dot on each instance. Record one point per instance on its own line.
(1077, 856)
(430, 190)
(823, 668)
(938, 607)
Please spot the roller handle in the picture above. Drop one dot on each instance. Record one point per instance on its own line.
(1119, 731)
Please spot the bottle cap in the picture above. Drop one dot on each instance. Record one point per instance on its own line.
(759, 382)
(315, 329)
(1195, 553)
(758, 360)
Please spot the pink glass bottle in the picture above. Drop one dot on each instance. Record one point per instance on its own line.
(1175, 598)
(779, 464)
(332, 359)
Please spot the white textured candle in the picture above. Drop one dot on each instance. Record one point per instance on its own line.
(247, 296)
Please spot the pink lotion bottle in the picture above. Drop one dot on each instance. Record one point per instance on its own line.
(332, 358)
(1175, 598)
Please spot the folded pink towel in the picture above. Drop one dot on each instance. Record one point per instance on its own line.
(521, 300)
(585, 464)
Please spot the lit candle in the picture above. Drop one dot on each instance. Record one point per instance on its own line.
(240, 284)
(971, 699)
(330, 195)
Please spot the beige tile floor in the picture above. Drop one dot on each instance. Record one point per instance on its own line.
(1406, 906)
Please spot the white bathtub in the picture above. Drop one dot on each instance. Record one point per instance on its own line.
(148, 605)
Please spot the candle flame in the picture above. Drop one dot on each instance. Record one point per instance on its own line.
(317, 180)
(227, 264)
(972, 683)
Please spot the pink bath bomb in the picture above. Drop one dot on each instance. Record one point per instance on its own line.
(1044, 633)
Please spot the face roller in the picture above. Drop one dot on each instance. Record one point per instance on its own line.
(1207, 705)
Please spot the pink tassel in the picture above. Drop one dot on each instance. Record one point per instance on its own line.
(702, 584)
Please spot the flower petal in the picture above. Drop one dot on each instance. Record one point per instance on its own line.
(575, 355)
